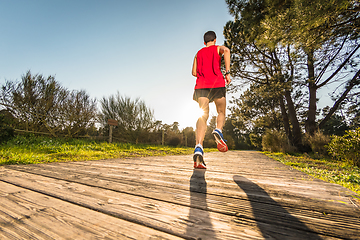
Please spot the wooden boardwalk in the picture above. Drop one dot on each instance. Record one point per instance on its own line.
(242, 195)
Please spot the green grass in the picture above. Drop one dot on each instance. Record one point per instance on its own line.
(33, 150)
(329, 170)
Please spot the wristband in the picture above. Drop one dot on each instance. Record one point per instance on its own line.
(227, 72)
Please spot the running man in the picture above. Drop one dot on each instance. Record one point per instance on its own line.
(210, 87)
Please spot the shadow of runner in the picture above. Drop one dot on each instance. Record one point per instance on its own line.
(199, 223)
(272, 219)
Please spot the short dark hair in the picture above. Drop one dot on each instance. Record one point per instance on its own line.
(209, 36)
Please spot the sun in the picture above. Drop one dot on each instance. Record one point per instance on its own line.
(199, 112)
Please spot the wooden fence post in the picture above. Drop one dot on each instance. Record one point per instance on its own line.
(112, 123)
(162, 137)
(110, 133)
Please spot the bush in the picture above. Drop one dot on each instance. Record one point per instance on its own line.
(347, 147)
(256, 140)
(318, 143)
(6, 132)
(174, 141)
(276, 141)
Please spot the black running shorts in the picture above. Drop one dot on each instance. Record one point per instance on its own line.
(210, 93)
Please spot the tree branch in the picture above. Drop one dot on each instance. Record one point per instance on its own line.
(353, 82)
(330, 61)
(339, 68)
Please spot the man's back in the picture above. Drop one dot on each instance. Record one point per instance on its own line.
(209, 74)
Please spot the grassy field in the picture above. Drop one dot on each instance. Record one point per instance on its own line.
(30, 149)
(328, 170)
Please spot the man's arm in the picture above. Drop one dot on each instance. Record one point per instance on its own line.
(224, 50)
(194, 69)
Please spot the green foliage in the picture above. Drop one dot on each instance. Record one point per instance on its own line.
(328, 170)
(318, 143)
(256, 140)
(305, 22)
(292, 48)
(257, 107)
(31, 149)
(174, 141)
(347, 147)
(336, 125)
(135, 119)
(353, 111)
(189, 135)
(77, 114)
(6, 131)
(41, 104)
(256, 110)
(276, 141)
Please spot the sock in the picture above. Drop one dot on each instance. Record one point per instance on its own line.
(199, 145)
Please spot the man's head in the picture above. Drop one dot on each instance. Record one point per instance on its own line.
(209, 36)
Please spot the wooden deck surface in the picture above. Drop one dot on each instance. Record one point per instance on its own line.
(242, 195)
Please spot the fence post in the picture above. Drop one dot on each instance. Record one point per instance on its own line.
(112, 123)
(162, 137)
(110, 133)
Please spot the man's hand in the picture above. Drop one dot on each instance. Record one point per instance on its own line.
(227, 79)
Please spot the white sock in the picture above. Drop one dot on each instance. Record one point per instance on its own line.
(199, 145)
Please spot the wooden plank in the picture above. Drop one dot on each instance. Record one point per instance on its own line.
(172, 218)
(113, 122)
(247, 195)
(292, 189)
(271, 212)
(165, 217)
(25, 214)
(118, 174)
(197, 198)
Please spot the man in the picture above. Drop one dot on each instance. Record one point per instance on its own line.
(210, 87)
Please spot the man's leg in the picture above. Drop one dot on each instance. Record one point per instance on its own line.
(200, 133)
(221, 109)
(201, 122)
(220, 121)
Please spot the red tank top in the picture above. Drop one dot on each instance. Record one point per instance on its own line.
(208, 70)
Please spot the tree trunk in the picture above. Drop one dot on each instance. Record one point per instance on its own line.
(296, 131)
(286, 122)
(310, 124)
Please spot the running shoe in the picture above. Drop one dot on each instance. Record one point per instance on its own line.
(199, 158)
(219, 139)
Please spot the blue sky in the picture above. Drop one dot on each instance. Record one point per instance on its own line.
(140, 48)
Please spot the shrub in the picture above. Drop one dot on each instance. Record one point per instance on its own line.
(347, 147)
(6, 132)
(318, 143)
(276, 141)
(255, 140)
(174, 141)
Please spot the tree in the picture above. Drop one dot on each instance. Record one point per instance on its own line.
(78, 113)
(189, 136)
(134, 117)
(41, 104)
(34, 101)
(291, 44)
(353, 111)
(336, 125)
(252, 115)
